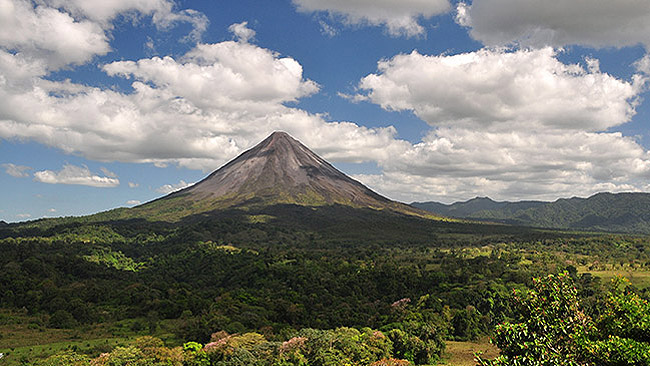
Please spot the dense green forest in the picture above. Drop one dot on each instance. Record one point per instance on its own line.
(248, 291)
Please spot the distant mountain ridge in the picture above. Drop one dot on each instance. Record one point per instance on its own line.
(476, 205)
(611, 212)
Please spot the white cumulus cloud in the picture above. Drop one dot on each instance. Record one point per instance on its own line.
(108, 173)
(454, 163)
(18, 171)
(557, 23)
(169, 188)
(198, 111)
(226, 76)
(400, 17)
(643, 65)
(508, 124)
(39, 37)
(498, 88)
(133, 202)
(241, 31)
(72, 174)
(47, 37)
(163, 12)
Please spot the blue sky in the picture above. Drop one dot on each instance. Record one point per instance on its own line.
(115, 103)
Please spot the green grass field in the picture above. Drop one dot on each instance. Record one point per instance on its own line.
(17, 355)
(462, 353)
(22, 339)
(638, 278)
(25, 341)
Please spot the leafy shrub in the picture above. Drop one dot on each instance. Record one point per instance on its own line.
(65, 359)
(553, 329)
(62, 319)
(192, 346)
(626, 314)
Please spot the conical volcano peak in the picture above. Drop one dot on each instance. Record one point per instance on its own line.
(288, 148)
(280, 170)
(279, 136)
(278, 166)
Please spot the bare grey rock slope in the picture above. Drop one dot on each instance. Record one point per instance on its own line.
(282, 170)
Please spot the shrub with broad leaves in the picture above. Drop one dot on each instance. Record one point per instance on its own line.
(554, 330)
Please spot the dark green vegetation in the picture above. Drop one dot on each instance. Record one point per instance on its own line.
(387, 285)
(621, 212)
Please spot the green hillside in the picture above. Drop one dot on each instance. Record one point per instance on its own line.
(610, 212)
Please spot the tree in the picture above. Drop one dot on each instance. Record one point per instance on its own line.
(624, 326)
(466, 324)
(553, 329)
(62, 319)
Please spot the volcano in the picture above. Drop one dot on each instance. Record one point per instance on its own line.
(279, 170)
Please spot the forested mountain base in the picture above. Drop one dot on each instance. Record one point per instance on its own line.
(251, 285)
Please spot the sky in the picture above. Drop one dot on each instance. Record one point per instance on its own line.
(113, 103)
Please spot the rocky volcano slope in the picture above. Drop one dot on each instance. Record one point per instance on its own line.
(279, 170)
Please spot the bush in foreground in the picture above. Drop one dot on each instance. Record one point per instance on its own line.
(553, 329)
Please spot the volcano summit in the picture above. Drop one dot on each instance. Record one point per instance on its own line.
(279, 170)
